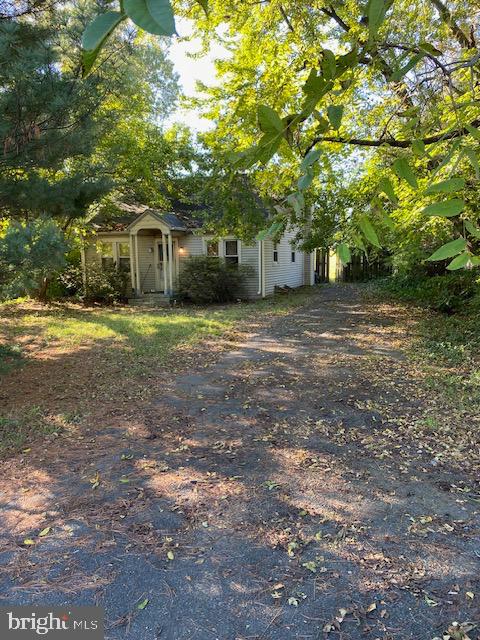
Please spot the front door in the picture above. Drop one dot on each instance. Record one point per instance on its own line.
(163, 264)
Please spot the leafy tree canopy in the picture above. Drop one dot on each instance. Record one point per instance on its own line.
(308, 86)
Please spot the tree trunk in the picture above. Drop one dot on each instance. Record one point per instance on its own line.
(42, 292)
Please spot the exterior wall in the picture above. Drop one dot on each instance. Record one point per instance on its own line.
(191, 245)
(284, 272)
(249, 256)
(91, 253)
(195, 245)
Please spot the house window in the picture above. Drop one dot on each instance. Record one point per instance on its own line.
(106, 252)
(293, 256)
(212, 248)
(275, 252)
(123, 256)
(231, 251)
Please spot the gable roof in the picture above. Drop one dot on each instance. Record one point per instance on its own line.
(182, 219)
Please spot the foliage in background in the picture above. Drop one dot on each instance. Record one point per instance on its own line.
(30, 255)
(446, 293)
(205, 280)
(328, 78)
(63, 137)
(103, 284)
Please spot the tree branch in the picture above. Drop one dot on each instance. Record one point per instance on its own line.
(447, 17)
(390, 141)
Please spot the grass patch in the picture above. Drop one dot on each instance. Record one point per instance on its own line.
(135, 332)
(17, 431)
(82, 359)
(446, 346)
(10, 357)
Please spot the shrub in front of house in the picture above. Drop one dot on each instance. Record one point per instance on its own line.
(100, 284)
(207, 280)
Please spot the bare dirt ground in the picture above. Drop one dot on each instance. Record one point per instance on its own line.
(276, 491)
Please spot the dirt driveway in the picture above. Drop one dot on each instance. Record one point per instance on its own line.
(267, 496)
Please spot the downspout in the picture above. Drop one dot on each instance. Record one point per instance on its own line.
(263, 269)
(83, 258)
(260, 268)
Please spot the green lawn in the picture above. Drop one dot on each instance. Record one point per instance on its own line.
(58, 348)
(137, 333)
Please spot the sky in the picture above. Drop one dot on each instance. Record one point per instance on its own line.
(190, 70)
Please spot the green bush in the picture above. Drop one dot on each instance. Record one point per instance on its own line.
(447, 293)
(206, 280)
(100, 284)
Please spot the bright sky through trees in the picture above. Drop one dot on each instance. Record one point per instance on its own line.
(192, 69)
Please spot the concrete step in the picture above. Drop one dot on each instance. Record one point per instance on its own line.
(150, 300)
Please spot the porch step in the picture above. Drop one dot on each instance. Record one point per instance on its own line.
(150, 300)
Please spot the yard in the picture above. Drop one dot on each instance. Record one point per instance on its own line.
(297, 469)
(65, 359)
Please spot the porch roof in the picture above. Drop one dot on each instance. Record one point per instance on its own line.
(133, 214)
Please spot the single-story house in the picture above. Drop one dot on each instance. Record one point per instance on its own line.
(152, 245)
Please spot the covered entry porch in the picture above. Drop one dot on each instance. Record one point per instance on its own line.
(154, 255)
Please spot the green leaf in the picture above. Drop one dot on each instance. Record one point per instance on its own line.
(95, 35)
(267, 147)
(429, 48)
(271, 232)
(269, 120)
(472, 230)
(311, 157)
(445, 209)
(161, 11)
(399, 73)
(143, 604)
(446, 186)
(472, 157)
(323, 123)
(306, 180)
(335, 113)
(369, 232)
(386, 186)
(329, 65)
(376, 15)
(296, 201)
(475, 133)
(404, 171)
(100, 28)
(418, 148)
(140, 14)
(344, 254)
(460, 261)
(449, 250)
(315, 88)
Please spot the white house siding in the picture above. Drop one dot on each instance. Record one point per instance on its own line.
(91, 253)
(249, 256)
(284, 272)
(192, 245)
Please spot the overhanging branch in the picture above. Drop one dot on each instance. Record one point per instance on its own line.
(392, 142)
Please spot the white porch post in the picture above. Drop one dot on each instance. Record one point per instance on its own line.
(170, 261)
(132, 262)
(164, 264)
(137, 265)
